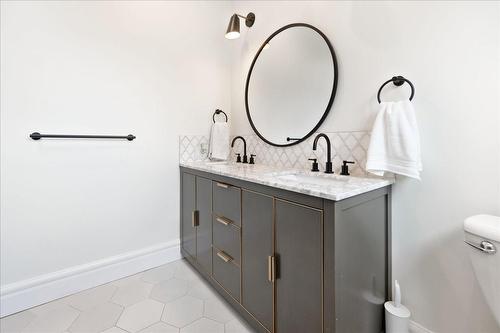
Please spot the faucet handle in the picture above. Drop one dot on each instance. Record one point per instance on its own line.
(314, 164)
(345, 168)
(252, 159)
(238, 158)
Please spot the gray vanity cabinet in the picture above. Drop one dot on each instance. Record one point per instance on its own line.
(196, 217)
(299, 276)
(289, 262)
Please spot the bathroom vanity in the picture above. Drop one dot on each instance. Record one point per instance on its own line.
(291, 251)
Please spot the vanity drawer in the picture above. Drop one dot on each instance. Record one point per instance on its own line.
(226, 272)
(226, 236)
(227, 201)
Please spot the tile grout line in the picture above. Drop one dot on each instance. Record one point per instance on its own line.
(74, 320)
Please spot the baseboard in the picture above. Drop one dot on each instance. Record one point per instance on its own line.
(417, 328)
(25, 294)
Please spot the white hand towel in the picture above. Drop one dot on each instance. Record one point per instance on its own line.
(395, 141)
(219, 141)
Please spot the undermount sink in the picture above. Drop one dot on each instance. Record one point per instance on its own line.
(314, 179)
(217, 162)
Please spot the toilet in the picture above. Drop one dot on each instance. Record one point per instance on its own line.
(482, 235)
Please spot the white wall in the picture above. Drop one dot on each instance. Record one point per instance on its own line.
(153, 69)
(450, 51)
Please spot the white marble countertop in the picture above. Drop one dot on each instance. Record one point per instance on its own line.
(318, 184)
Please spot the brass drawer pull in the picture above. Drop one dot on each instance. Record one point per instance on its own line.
(222, 185)
(194, 218)
(225, 257)
(271, 269)
(224, 221)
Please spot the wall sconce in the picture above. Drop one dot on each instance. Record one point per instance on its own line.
(233, 29)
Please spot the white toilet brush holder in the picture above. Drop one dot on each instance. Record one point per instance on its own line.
(397, 316)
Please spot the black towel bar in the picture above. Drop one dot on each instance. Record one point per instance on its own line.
(38, 136)
(398, 81)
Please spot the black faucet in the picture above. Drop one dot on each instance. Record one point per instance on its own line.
(328, 168)
(245, 159)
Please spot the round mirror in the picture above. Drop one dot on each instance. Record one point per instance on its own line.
(291, 84)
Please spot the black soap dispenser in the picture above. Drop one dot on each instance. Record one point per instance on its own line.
(345, 168)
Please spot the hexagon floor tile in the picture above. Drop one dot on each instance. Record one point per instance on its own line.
(127, 280)
(114, 329)
(160, 328)
(57, 320)
(98, 319)
(158, 274)
(16, 322)
(218, 310)
(90, 298)
(184, 271)
(204, 325)
(44, 309)
(168, 299)
(237, 326)
(170, 290)
(202, 290)
(140, 315)
(131, 293)
(183, 311)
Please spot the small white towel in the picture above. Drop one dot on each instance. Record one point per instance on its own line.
(395, 141)
(218, 148)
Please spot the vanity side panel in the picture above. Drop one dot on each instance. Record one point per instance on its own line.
(188, 206)
(361, 262)
(204, 229)
(329, 266)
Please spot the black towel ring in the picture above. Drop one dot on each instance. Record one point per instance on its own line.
(217, 112)
(398, 81)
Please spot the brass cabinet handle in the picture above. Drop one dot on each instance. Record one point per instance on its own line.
(222, 185)
(194, 218)
(271, 268)
(224, 221)
(225, 257)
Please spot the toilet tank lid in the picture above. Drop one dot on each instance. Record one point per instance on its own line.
(486, 226)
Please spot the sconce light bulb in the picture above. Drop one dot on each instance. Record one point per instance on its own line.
(232, 35)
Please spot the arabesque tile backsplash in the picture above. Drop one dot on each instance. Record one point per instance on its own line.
(351, 146)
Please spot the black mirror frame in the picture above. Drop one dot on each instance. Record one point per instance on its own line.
(332, 96)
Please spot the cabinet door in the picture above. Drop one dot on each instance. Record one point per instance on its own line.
(257, 235)
(299, 284)
(188, 230)
(204, 229)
